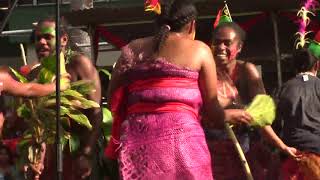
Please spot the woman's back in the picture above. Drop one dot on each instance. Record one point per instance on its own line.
(180, 51)
(161, 134)
(156, 94)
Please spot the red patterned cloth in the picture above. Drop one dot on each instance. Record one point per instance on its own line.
(12, 144)
(308, 168)
(226, 163)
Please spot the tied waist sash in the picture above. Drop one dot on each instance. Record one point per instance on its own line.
(163, 107)
(119, 109)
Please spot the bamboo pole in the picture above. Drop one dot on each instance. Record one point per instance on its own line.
(242, 157)
(23, 54)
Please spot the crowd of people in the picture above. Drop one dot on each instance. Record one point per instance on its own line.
(170, 96)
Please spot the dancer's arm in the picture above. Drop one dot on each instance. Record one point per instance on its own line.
(255, 82)
(256, 87)
(13, 87)
(274, 139)
(208, 86)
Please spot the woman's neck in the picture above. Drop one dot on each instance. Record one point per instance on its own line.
(229, 69)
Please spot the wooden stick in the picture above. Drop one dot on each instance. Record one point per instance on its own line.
(23, 54)
(242, 157)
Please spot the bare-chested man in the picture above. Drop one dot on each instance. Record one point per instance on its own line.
(80, 68)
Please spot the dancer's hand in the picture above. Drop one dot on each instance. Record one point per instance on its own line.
(237, 116)
(83, 164)
(34, 170)
(292, 152)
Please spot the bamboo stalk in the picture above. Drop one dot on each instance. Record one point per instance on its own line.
(23, 54)
(242, 157)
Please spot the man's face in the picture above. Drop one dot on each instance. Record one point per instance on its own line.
(45, 39)
(225, 46)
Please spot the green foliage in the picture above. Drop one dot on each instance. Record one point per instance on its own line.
(48, 70)
(83, 87)
(46, 76)
(263, 111)
(107, 116)
(106, 72)
(40, 113)
(23, 111)
(20, 77)
(106, 123)
(79, 117)
(74, 143)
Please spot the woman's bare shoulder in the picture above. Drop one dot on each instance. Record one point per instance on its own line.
(137, 43)
(201, 48)
(250, 69)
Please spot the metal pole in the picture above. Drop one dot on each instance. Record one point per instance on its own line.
(276, 46)
(59, 161)
(3, 25)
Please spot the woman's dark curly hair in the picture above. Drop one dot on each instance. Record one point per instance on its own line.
(234, 26)
(176, 14)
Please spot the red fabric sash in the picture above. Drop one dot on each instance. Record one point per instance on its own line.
(116, 103)
(163, 82)
(119, 111)
(164, 107)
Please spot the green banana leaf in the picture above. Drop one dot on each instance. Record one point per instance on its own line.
(106, 72)
(83, 86)
(24, 112)
(72, 93)
(20, 77)
(40, 113)
(80, 118)
(46, 76)
(106, 123)
(74, 143)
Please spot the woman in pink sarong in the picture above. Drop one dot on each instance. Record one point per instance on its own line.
(157, 90)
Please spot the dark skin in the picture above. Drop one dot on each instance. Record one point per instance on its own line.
(12, 87)
(226, 46)
(197, 56)
(80, 68)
